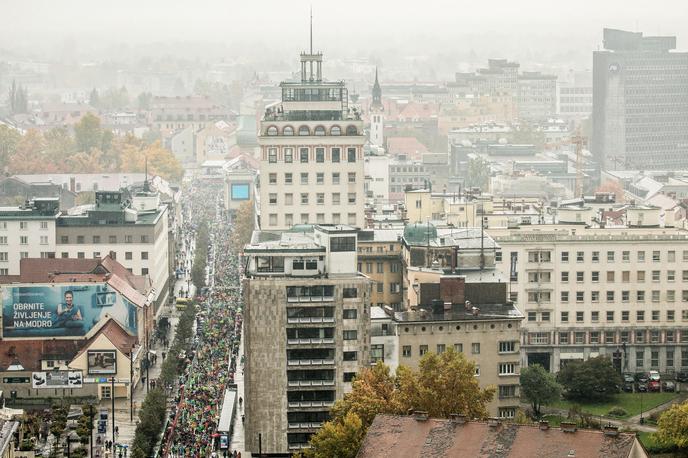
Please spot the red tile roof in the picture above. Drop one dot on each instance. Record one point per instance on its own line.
(406, 437)
(121, 339)
(410, 146)
(29, 352)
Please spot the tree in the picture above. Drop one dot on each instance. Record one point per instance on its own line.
(672, 426)
(59, 144)
(340, 438)
(478, 174)
(94, 98)
(9, 139)
(615, 187)
(594, 379)
(444, 384)
(539, 387)
(243, 224)
(88, 133)
(30, 155)
(18, 99)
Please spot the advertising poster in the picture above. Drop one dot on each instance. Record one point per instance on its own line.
(240, 191)
(62, 310)
(57, 379)
(102, 362)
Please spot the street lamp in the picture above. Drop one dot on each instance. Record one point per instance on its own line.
(71, 437)
(642, 420)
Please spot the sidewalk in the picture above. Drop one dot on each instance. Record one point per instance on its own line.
(238, 441)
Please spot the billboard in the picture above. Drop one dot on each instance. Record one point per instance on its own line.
(62, 310)
(102, 362)
(240, 192)
(57, 379)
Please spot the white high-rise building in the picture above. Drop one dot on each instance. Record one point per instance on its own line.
(311, 164)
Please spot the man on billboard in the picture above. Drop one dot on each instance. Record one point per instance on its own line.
(68, 315)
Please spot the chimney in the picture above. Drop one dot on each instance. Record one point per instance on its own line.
(453, 289)
(544, 425)
(493, 422)
(568, 427)
(458, 419)
(420, 415)
(611, 431)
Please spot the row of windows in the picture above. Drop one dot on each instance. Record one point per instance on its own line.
(336, 218)
(81, 239)
(394, 287)
(611, 256)
(318, 131)
(611, 337)
(23, 240)
(305, 177)
(24, 225)
(318, 155)
(319, 198)
(610, 315)
(539, 297)
(394, 267)
(656, 276)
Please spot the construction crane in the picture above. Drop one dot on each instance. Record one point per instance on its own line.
(578, 140)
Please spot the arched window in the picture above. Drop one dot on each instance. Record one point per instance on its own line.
(272, 131)
(336, 130)
(351, 130)
(319, 131)
(288, 131)
(304, 130)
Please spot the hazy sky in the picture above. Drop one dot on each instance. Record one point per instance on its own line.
(354, 27)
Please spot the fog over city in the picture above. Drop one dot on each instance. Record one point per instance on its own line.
(356, 229)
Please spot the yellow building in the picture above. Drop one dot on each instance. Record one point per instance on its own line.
(379, 257)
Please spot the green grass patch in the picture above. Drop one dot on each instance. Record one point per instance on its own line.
(554, 420)
(653, 446)
(630, 402)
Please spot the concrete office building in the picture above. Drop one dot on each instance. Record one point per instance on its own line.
(379, 257)
(587, 291)
(311, 154)
(640, 103)
(306, 331)
(133, 228)
(537, 96)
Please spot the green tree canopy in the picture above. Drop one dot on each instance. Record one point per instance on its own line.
(539, 387)
(594, 379)
(672, 426)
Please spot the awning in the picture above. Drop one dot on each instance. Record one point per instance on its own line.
(227, 413)
(580, 355)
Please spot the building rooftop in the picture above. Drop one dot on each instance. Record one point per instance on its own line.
(407, 436)
(459, 312)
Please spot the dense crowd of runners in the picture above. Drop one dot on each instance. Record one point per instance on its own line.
(218, 334)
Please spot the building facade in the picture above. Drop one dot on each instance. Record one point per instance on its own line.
(585, 291)
(379, 258)
(306, 332)
(311, 154)
(377, 116)
(640, 108)
(537, 96)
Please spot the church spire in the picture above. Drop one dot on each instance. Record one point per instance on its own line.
(146, 185)
(377, 93)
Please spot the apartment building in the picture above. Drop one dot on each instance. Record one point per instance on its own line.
(588, 291)
(306, 332)
(27, 231)
(134, 229)
(311, 154)
(537, 96)
(379, 258)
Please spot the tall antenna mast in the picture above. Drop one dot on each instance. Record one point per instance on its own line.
(311, 29)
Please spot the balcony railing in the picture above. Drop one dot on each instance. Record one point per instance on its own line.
(311, 383)
(309, 425)
(310, 362)
(310, 341)
(311, 404)
(311, 319)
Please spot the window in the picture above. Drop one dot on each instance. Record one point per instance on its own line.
(441, 348)
(320, 198)
(532, 316)
(625, 315)
(655, 275)
(380, 268)
(610, 296)
(670, 315)
(289, 219)
(112, 239)
(23, 225)
(349, 376)
(564, 256)
(580, 277)
(351, 154)
(564, 277)
(595, 276)
(639, 357)
(564, 317)
(423, 349)
(335, 198)
(594, 337)
(477, 370)
(670, 358)
(507, 347)
(288, 199)
(44, 240)
(23, 239)
(304, 218)
(336, 154)
(458, 347)
(640, 296)
(64, 239)
(303, 155)
(671, 256)
(671, 275)
(349, 293)
(507, 368)
(350, 314)
(352, 177)
(79, 255)
(507, 412)
(655, 256)
(610, 256)
(304, 178)
(336, 218)
(4, 257)
(654, 336)
(609, 337)
(351, 355)
(272, 178)
(320, 155)
(475, 348)
(273, 219)
(144, 271)
(641, 256)
(319, 178)
(640, 315)
(406, 351)
(580, 256)
(610, 315)
(128, 255)
(595, 296)
(288, 178)
(352, 198)
(507, 391)
(625, 256)
(595, 316)
(272, 155)
(80, 239)
(304, 198)
(564, 338)
(144, 255)
(564, 296)
(272, 198)
(544, 316)
(641, 276)
(335, 178)
(580, 296)
(610, 276)
(626, 276)
(655, 295)
(580, 316)
(579, 338)
(144, 239)
(288, 155)
(350, 334)
(595, 256)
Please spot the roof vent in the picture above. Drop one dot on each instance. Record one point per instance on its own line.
(611, 431)
(568, 427)
(572, 453)
(420, 415)
(544, 425)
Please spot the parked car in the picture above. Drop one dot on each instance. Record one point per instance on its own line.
(668, 386)
(628, 378)
(642, 377)
(641, 386)
(653, 385)
(628, 387)
(654, 375)
(682, 376)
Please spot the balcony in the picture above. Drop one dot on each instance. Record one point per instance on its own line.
(311, 425)
(325, 341)
(307, 320)
(310, 362)
(306, 404)
(311, 383)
